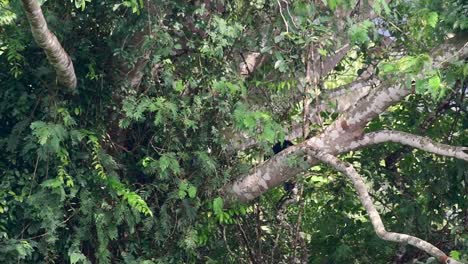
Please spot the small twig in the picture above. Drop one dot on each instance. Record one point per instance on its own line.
(244, 237)
(457, 117)
(34, 174)
(22, 231)
(117, 145)
(226, 243)
(275, 244)
(297, 235)
(284, 19)
(61, 223)
(395, 26)
(289, 13)
(259, 230)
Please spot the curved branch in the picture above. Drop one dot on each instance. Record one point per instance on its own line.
(372, 212)
(54, 51)
(415, 141)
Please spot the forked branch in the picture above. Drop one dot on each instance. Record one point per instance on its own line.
(374, 216)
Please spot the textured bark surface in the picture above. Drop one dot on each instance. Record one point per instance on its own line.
(346, 134)
(343, 98)
(318, 67)
(338, 137)
(411, 140)
(54, 51)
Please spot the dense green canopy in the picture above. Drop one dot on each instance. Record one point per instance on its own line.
(141, 131)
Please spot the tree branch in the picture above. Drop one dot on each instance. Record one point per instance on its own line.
(336, 138)
(54, 51)
(374, 216)
(415, 141)
(344, 98)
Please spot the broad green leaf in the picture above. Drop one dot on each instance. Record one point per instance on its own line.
(218, 205)
(279, 38)
(269, 134)
(76, 257)
(53, 183)
(434, 83)
(359, 32)
(455, 254)
(192, 191)
(249, 122)
(432, 19)
(181, 193)
(178, 86)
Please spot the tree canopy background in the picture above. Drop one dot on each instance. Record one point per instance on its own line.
(135, 152)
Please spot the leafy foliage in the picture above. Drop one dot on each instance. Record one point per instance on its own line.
(117, 173)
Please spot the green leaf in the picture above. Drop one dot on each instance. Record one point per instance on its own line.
(359, 32)
(41, 131)
(434, 83)
(281, 65)
(319, 179)
(432, 19)
(455, 254)
(269, 134)
(249, 121)
(323, 52)
(53, 183)
(164, 162)
(381, 4)
(181, 193)
(420, 86)
(331, 3)
(192, 191)
(386, 68)
(218, 205)
(465, 70)
(76, 257)
(279, 38)
(183, 185)
(178, 86)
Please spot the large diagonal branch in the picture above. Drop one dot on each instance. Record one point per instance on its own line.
(347, 96)
(54, 51)
(349, 126)
(336, 100)
(415, 141)
(337, 137)
(318, 67)
(372, 212)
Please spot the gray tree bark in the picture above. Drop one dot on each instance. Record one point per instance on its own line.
(54, 51)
